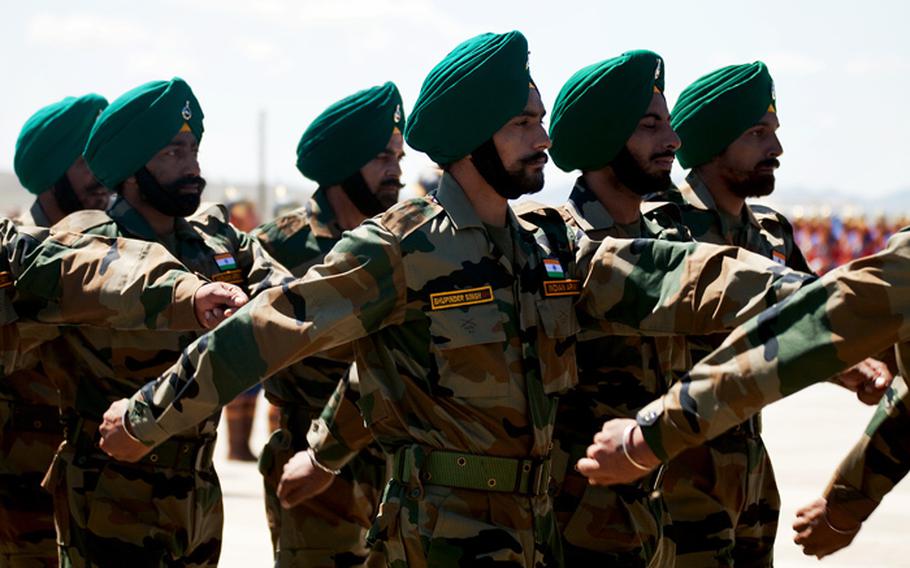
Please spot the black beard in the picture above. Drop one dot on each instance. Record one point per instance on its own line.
(357, 190)
(167, 199)
(66, 196)
(631, 174)
(507, 184)
(755, 184)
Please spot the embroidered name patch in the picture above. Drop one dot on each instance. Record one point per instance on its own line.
(225, 261)
(229, 276)
(561, 288)
(6, 279)
(459, 298)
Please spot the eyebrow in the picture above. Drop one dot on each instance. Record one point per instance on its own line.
(530, 114)
(653, 115)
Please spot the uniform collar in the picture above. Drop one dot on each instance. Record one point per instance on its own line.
(38, 217)
(586, 210)
(323, 222)
(132, 222)
(451, 196)
(697, 194)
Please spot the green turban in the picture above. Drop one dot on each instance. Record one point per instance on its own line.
(479, 86)
(599, 107)
(716, 109)
(349, 134)
(138, 125)
(52, 139)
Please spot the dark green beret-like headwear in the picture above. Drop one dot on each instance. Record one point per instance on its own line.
(138, 125)
(716, 109)
(599, 108)
(52, 139)
(349, 134)
(473, 92)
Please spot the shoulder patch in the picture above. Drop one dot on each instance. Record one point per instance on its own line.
(83, 221)
(406, 217)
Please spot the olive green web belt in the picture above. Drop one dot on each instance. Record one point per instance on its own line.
(470, 471)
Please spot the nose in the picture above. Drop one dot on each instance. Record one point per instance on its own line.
(673, 140)
(543, 140)
(193, 166)
(776, 149)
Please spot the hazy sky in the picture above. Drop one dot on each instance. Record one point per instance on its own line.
(841, 72)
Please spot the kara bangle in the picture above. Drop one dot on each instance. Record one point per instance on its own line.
(126, 427)
(837, 530)
(626, 440)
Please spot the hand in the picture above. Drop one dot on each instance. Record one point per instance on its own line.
(869, 379)
(302, 479)
(116, 441)
(815, 533)
(607, 464)
(216, 301)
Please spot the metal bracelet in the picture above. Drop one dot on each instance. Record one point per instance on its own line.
(626, 440)
(837, 530)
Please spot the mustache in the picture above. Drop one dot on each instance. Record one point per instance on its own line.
(770, 162)
(534, 157)
(391, 183)
(666, 154)
(184, 182)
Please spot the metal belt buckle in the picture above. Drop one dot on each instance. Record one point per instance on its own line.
(541, 479)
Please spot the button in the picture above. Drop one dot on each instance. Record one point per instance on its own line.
(491, 482)
(153, 458)
(526, 467)
(461, 461)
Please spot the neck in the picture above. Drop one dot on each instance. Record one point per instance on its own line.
(159, 222)
(346, 213)
(623, 204)
(724, 199)
(491, 207)
(51, 208)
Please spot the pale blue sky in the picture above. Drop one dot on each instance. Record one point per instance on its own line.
(841, 72)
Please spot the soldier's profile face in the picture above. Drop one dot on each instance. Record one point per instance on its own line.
(177, 161)
(749, 162)
(645, 162)
(89, 191)
(382, 174)
(522, 144)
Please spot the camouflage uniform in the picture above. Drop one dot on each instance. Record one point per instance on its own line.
(463, 336)
(165, 509)
(723, 497)
(620, 525)
(67, 279)
(853, 312)
(330, 529)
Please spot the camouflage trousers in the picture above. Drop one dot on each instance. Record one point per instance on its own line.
(28, 441)
(724, 503)
(430, 526)
(114, 514)
(328, 531)
(620, 525)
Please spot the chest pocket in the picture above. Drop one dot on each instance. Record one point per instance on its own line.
(468, 345)
(556, 338)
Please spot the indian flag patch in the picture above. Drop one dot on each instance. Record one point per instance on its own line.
(225, 261)
(778, 257)
(554, 269)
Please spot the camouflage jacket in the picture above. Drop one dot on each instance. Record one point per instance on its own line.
(850, 313)
(462, 340)
(50, 278)
(617, 374)
(299, 240)
(93, 367)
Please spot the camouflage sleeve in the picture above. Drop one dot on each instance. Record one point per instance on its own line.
(358, 290)
(262, 271)
(340, 432)
(68, 278)
(659, 287)
(850, 313)
(878, 461)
